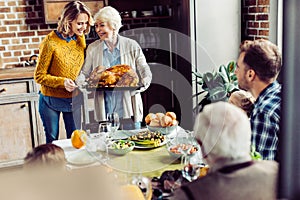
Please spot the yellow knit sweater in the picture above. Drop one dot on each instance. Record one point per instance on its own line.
(58, 59)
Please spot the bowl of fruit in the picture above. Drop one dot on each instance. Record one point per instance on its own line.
(164, 123)
(120, 147)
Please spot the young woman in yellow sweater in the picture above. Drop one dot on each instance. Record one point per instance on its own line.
(61, 56)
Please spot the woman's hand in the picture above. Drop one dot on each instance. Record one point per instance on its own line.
(70, 85)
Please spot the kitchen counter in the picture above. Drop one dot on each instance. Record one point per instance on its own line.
(16, 73)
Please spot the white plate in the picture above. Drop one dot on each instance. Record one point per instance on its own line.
(120, 135)
(81, 157)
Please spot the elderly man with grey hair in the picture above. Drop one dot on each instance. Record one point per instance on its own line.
(224, 133)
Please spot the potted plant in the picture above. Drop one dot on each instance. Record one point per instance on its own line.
(216, 85)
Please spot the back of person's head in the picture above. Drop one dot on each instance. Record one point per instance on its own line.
(243, 100)
(263, 57)
(70, 13)
(111, 16)
(45, 155)
(224, 133)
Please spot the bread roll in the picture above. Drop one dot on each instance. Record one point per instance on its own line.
(160, 115)
(172, 115)
(149, 118)
(174, 122)
(154, 122)
(161, 119)
(166, 121)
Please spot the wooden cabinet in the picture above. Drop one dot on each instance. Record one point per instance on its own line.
(19, 125)
(53, 8)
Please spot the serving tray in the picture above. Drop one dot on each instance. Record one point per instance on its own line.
(107, 88)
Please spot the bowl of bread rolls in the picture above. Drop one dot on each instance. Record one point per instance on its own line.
(165, 123)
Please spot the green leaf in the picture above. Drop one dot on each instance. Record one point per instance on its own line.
(198, 75)
(218, 81)
(233, 78)
(231, 67)
(197, 94)
(224, 73)
(200, 82)
(212, 82)
(208, 77)
(218, 84)
(217, 94)
(230, 87)
(254, 154)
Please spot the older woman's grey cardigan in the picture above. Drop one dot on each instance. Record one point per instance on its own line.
(132, 55)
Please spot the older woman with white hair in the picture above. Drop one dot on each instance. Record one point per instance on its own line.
(110, 50)
(223, 132)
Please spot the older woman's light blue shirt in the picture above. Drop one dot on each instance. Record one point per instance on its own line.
(113, 99)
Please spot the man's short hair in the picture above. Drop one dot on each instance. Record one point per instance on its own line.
(263, 57)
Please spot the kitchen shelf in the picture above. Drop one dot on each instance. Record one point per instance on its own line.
(146, 17)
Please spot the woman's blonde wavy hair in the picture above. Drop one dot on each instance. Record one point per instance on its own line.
(70, 13)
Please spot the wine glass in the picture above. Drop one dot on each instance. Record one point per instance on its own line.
(114, 119)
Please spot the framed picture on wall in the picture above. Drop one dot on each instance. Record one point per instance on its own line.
(53, 8)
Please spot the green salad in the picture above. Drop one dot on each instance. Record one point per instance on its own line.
(122, 144)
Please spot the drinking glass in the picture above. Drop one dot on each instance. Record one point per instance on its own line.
(190, 171)
(114, 120)
(93, 142)
(144, 184)
(104, 130)
(185, 144)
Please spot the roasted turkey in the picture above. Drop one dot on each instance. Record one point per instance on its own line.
(115, 76)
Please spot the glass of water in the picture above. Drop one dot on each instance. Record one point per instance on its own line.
(104, 132)
(114, 120)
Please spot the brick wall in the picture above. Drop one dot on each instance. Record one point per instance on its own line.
(255, 19)
(22, 30)
(22, 27)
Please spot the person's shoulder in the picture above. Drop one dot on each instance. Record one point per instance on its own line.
(269, 101)
(205, 181)
(94, 46)
(268, 162)
(198, 187)
(95, 43)
(274, 90)
(50, 41)
(270, 165)
(50, 36)
(127, 40)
